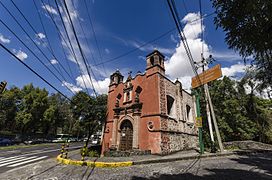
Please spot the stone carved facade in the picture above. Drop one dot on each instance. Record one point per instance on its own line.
(149, 112)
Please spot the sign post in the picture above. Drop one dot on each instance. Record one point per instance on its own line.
(199, 124)
(203, 78)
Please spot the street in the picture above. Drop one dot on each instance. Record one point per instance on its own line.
(254, 166)
(10, 159)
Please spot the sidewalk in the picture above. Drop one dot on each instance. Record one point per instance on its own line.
(74, 158)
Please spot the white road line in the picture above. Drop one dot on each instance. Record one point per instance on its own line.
(12, 162)
(42, 152)
(18, 164)
(10, 159)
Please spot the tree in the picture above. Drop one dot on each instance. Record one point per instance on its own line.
(8, 109)
(31, 108)
(90, 111)
(249, 31)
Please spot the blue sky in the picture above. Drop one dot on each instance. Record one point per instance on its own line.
(120, 27)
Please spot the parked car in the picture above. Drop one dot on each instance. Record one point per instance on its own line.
(61, 138)
(5, 142)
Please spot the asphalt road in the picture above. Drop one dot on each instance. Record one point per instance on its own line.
(19, 157)
(254, 166)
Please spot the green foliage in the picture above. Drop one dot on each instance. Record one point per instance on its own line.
(88, 152)
(30, 111)
(240, 116)
(248, 30)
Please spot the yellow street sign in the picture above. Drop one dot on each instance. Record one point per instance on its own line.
(198, 121)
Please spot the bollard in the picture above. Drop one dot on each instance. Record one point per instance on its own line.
(62, 150)
(83, 152)
(66, 152)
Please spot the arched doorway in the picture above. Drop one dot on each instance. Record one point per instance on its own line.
(126, 136)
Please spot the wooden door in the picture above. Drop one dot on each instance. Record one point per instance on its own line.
(126, 136)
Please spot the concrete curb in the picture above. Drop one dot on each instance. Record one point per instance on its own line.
(94, 164)
(162, 160)
(150, 161)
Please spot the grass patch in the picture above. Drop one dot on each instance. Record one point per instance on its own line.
(14, 147)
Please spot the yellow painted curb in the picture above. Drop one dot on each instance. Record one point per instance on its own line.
(94, 164)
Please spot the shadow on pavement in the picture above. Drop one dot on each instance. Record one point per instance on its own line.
(261, 169)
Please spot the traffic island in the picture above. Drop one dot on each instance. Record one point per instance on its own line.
(93, 163)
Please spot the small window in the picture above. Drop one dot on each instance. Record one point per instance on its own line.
(128, 96)
(189, 113)
(152, 60)
(170, 105)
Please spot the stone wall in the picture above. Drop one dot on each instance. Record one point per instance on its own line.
(173, 142)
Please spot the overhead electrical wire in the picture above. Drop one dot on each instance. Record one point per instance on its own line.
(148, 42)
(3, 23)
(88, 46)
(94, 34)
(79, 46)
(175, 16)
(65, 56)
(32, 70)
(46, 36)
(37, 46)
(69, 40)
(201, 26)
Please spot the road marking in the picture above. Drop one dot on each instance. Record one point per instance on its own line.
(10, 159)
(42, 152)
(20, 160)
(18, 164)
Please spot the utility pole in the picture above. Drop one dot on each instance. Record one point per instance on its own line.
(209, 108)
(200, 137)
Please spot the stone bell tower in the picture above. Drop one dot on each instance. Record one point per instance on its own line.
(155, 63)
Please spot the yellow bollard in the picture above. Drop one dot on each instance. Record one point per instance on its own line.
(83, 152)
(62, 150)
(66, 152)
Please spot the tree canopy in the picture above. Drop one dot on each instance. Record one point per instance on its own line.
(31, 111)
(248, 28)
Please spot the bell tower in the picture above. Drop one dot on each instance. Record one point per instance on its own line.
(116, 78)
(155, 63)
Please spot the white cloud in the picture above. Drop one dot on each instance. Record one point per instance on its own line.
(50, 9)
(20, 54)
(173, 38)
(101, 86)
(72, 87)
(226, 56)
(234, 70)
(54, 61)
(4, 39)
(107, 51)
(178, 66)
(40, 35)
(150, 47)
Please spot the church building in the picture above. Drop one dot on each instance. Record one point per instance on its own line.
(149, 112)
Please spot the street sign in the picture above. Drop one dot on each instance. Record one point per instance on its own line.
(207, 76)
(198, 121)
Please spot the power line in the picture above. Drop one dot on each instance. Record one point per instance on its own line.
(88, 45)
(80, 49)
(201, 26)
(182, 36)
(148, 42)
(69, 40)
(94, 34)
(32, 40)
(34, 54)
(43, 27)
(32, 70)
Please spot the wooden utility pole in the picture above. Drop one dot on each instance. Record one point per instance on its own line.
(206, 77)
(215, 122)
